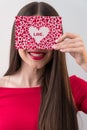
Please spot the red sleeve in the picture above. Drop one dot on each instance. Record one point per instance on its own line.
(79, 91)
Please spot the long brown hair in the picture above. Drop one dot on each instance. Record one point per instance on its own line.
(57, 109)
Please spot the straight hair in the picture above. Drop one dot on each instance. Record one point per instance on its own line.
(57, 108)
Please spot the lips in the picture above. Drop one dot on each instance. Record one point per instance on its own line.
(37, 55)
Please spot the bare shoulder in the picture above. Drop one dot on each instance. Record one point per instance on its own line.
(8, 81)
(3, 81)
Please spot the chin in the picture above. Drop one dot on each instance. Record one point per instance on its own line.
(37, 66)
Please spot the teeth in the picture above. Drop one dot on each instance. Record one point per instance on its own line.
(34, 54)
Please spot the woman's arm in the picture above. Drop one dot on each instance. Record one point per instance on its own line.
(79, 92)
(74, 45)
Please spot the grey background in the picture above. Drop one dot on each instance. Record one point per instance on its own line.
(74, 15)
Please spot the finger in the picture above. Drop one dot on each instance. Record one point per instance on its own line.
(69, 50)
(69, 44)
(67, 36)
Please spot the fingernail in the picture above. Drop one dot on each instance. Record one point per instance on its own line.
(62, 50)
(54, 47)
(56, 40)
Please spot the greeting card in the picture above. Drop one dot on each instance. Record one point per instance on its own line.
(37, 32)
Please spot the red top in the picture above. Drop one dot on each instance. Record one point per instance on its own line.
(19, 107)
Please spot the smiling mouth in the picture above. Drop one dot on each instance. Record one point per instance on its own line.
(37, 55)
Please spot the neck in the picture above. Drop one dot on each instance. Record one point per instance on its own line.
(29, 77)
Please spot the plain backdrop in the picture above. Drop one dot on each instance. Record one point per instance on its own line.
(74, 15)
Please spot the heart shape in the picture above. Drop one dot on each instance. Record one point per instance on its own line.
(38, 34)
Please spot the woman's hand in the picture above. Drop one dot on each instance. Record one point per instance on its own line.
(74, 45)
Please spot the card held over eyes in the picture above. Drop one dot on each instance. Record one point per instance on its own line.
(37, 32)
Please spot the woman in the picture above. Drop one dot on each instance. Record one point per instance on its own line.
(38, 94)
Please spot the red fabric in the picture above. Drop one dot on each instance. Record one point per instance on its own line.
(19, 107)
(79, 91)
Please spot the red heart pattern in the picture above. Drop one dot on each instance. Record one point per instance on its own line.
(38, 35)
(37, 32)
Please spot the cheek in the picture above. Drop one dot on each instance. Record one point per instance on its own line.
(50, 55)
(22, 54)
(25, 58)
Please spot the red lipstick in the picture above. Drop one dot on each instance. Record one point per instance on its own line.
(37, 55)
